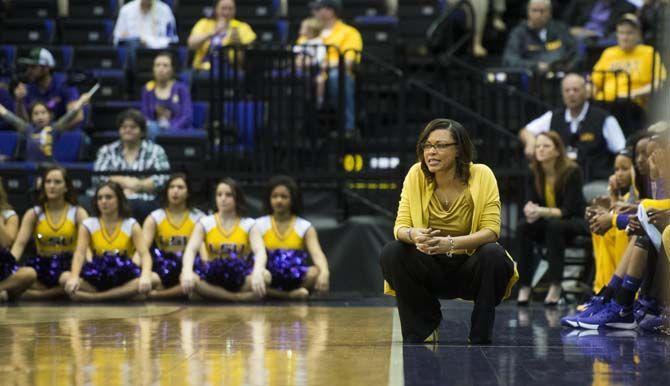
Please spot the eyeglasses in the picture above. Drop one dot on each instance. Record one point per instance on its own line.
(440, 146)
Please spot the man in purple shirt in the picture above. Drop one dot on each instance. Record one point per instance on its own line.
(43, 86)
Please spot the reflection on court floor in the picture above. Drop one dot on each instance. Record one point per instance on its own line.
(334, 343)
(194, 345)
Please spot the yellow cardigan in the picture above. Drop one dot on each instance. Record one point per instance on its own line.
(417, 192)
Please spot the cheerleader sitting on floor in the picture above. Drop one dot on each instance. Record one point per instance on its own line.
(169, 229)
(13, 279)
(113, 236)
(53, 226)
(226, 271)
(290, 240)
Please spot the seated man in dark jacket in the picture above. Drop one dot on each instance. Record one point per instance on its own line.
(540, 44)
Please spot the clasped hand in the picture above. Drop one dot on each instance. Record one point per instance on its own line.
(429, 241)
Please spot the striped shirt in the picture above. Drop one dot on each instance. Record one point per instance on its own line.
(152, 158)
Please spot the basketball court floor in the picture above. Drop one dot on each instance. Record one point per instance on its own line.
(328, 342)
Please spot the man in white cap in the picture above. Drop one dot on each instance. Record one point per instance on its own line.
(40, 85)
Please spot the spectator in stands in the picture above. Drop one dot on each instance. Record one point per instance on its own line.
(346, 40)
(638, 64)
(595, 19)
(42, 86)
(222, 29)
(311, 54)
(591, 134)
(166, 102)
(41, 133)
(540, 44)
(146, 23)
(553, 215)
(131, 153)
(481, 9)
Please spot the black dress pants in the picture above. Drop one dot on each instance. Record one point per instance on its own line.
(554, 233)
(420, 280)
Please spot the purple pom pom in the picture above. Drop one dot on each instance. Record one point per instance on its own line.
(49, 268)
(168, 267)
(229, 272)
(109, 271)
(288, 268)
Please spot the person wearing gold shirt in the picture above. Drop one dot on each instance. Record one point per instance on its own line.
(640, 66)
(291, 241)
(446, 232)
(14, 280)
(169, 228)
(226, 270)
(53, 226)
(113, 237)
(222, 29)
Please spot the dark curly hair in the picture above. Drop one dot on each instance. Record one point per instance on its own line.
(135, 116)
(465, 149)
(294, 192)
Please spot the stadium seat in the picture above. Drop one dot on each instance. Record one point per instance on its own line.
(271, 31)
(91, 32)
(9, 144)
(184, 27)
(100, 58)
(243, 118)
(298, 10)
(28, 31)
(104, 115)
(171, 3)
(7, 57)
(200, 114)
(193, 9)
(355, 8)
(17, 177)
(250, 10)
(39, 9)
(379, 35)
(69, 146)
(87, 9)
(414, 19)
(80, 173)
(184, 146)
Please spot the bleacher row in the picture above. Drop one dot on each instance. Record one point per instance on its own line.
(91, 22)
(82, 42)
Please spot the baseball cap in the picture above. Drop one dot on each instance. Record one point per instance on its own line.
(39, 57)
(629, 18)
(333, 4)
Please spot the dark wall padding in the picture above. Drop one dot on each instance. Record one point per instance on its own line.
(353, 249)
